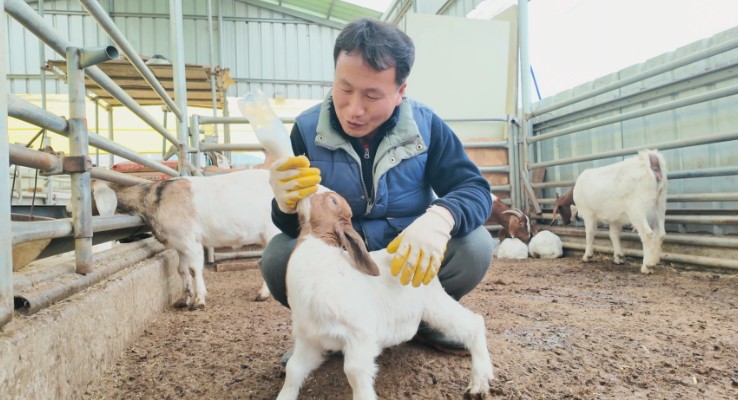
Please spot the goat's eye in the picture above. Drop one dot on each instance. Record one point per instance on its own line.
(334, 201)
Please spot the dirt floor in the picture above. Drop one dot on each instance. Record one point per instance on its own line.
(557, 329)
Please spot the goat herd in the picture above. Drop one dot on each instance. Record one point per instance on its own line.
(234, 209)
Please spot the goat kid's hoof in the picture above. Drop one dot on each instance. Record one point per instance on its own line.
(261, 298)
(645, 271)
(181, 303)
(468, 395)
(197, 306)
(619, 260)
(586, 258)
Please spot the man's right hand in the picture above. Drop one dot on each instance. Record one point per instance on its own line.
(292, 180)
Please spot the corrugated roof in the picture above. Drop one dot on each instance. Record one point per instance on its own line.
(332, 11)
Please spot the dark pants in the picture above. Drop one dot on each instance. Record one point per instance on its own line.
(464, 265)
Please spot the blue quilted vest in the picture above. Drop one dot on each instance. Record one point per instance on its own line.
(400, 191)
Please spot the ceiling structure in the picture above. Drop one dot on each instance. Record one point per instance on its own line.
(333, 13)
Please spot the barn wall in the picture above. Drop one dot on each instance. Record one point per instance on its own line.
(57, 352)
(280, 54)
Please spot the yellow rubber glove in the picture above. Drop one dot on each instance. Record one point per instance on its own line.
(292, 180)
(419, 249)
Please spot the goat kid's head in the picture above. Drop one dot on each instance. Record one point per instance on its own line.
(519, 225)
(562, 205)
(327, 216)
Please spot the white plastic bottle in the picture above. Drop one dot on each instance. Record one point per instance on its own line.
(269, 129)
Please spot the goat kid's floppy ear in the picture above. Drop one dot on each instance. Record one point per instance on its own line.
(350, 240)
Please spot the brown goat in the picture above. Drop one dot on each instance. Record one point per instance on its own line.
(562, 205)
(514, 222)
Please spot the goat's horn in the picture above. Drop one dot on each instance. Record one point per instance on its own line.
(514, 211)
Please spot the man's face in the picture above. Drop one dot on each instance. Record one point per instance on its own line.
(363, 97)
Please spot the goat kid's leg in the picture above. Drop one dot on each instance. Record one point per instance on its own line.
(184, 274)
(590, 226)
(360, 368)
(618, 255)
(264, 293)
(461, 324)
(305, 358)
(195, 258)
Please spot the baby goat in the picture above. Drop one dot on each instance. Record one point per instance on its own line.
(345, 299)
(188, 213)
(515, 223)
(631, 191)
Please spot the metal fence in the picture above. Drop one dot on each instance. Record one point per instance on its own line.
(80, 62)
(684, 104)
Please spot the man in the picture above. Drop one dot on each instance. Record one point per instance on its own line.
(411, 186)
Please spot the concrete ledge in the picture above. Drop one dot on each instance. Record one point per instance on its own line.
(57, 352)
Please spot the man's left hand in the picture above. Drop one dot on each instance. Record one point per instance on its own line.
(419, 249)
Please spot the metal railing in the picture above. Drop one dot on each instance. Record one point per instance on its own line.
(81, 62)
(562, 118)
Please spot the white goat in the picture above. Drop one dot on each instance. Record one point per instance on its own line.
(631, 191)
(345, 299)
(546, 244)
(511, 249)
(185, 214)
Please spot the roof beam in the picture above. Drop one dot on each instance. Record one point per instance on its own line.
(294, 13)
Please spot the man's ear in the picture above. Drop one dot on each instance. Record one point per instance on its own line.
(400, 94)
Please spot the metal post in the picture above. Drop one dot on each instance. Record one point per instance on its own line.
(211, 58)
(226, 113)
(97, 130)
(176, 35)
(81, 201)
(6, 249)
(195, 126)
(525, 76)
(111, 135)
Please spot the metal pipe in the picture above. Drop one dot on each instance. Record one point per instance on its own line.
(26, 111)
(62, 227)
(695, 240)
(693, 173)
(195, 139)
(691, 58)
(211, 60)
(6, 249)
(176, 37)
(205, 120)
(117, 177)
(226, 111)
(673, 257)
(110, 262)
(633, 150)
(502, 144)
(106, 23)
(21, 155)
(698, 197)
(231, 147)
(703, 78)
(526, 102)
(667, 106)
(24, 14)
(111, 135)
(81, 201)
(686, 219)
(502, 169)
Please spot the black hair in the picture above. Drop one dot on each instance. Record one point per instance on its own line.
(382, 46)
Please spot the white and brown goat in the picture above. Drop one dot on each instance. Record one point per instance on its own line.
(189, 213)
(345, 299)
(514, 222)
(630, 191)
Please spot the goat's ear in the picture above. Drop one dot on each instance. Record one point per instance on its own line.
(350, 240)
